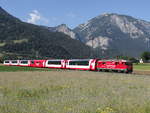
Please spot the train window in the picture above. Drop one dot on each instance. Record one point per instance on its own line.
(24, 62)
(116, 63)
(38, 62)
(54, 62)
(6, 61)
(104, 63)
(14, 61)
(83, 63)
(32, 62)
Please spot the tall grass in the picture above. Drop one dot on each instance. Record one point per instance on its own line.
(73, 92)
(18, 68)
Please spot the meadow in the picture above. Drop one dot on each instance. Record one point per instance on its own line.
(17, 68)
(142, 67)
(70, 91)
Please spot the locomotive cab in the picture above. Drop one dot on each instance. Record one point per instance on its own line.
(115, 65)
(129, 67)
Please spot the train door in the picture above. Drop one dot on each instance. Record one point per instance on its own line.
(39, 63)
(63, 64)
(92, 64)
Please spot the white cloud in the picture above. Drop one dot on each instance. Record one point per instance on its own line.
(36, 17)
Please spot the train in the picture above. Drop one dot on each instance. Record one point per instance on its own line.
(123, 66)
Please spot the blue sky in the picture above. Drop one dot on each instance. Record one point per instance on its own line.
(73, 12)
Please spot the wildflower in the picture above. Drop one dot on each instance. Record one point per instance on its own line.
(67, 108)
(105, 110)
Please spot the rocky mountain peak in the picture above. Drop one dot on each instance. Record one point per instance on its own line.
(64, 29)
(115, 31)
(127, 25)
(62, 25)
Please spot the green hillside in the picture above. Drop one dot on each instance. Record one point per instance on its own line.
(22, 40)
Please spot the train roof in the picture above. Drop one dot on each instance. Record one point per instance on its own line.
(80, 59)
(55, 59)
(116, 60)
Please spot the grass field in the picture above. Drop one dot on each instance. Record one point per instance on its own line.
(17, 68)
(65, 91)
(143, 67)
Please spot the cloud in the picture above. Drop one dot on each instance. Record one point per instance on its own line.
(36, 17)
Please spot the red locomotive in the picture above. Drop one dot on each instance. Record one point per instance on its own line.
(114, 65)
(80, 64)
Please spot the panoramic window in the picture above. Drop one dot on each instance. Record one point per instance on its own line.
(24, 62)
(54, 62)
(14, 61)
(6, 61)
(83, 63)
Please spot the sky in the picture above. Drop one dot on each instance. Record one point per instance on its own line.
(73, 12)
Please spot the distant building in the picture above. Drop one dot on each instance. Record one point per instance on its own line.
(141, 61)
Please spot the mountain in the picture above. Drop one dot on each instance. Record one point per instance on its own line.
(106, 35)
(114, 34)
(24, 40)
(64, 29)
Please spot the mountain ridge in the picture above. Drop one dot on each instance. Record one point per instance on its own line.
(106, 35)
(25, 40)
(113, 31)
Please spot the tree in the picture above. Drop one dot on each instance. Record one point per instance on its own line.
(133, 60)
(145, 56)
(122, 57)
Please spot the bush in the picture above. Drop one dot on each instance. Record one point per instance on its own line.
(145, 56)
